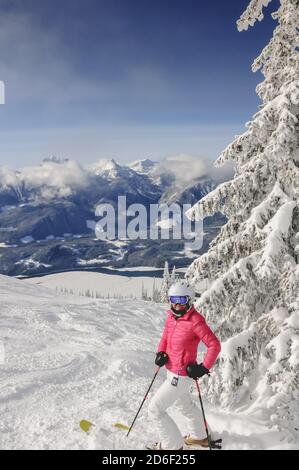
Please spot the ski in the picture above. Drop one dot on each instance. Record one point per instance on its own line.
(87, 426)
(121, 426)
(215, 444)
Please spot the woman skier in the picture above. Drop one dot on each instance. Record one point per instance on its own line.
(184, 329)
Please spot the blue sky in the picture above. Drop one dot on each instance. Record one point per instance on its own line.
(128, 79)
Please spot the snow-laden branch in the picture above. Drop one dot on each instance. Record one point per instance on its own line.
(253, 13)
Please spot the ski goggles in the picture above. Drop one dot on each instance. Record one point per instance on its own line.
(179, 299)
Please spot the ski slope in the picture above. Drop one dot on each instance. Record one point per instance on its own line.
(69, 358)
(99, 285)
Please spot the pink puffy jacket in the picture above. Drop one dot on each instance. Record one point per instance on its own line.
(180, 340)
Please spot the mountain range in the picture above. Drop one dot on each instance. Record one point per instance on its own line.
(47, 215)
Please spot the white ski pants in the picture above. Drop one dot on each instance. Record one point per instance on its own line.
(168, 394)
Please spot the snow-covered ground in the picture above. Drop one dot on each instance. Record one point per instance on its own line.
(138, 268)
(98, 284)
(69, 358)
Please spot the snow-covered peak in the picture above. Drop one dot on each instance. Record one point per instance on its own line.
(105, 165)
(54, 159)
(143, 166)
(108, 169)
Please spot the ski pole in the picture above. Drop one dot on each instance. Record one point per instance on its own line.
(145, 397)
(204, 416)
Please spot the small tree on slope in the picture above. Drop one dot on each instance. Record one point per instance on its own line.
(253, 263)
(166, 283)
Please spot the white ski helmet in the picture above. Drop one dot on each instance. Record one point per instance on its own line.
(182, 288)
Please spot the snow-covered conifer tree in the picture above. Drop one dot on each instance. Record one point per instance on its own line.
(253, 300)
(144, 295)
(165, 284)
(156, 292)
(173, 276)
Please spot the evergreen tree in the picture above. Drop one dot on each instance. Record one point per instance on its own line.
(173, 276)
(143, 292)
(252, 265)
(166, 283)
(87, 293)
(156, 292)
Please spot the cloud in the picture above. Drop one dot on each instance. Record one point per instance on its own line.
(123, 143)
(185, 167)
(65, 175)
(37, 66)
(8, 177)
(30, 65)
(62, 178)
(189, 167)
(51, 179)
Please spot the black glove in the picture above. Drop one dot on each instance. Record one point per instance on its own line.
(195, 371)
(161, 359)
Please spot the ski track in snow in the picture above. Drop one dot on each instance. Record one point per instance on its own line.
(72, 358)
